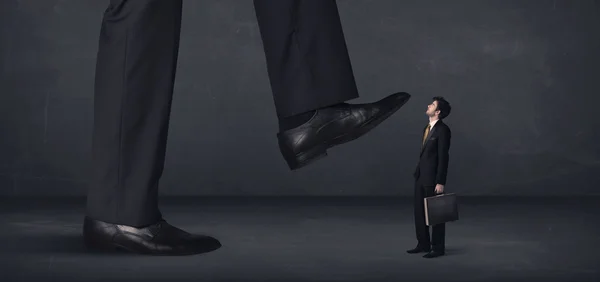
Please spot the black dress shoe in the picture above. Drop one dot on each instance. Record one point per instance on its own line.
(160, 238)
(335, 125)
(419, 249)
(434, 254)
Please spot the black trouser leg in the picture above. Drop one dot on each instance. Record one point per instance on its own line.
(421, 228)
(438, 231)
(306, 54)
(308, 67)
(135, 71)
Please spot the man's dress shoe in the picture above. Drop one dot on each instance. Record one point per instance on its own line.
(434, 254)
(160, 238)
(333, 126)
(419, 249)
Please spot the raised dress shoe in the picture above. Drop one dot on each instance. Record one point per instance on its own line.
(333, 126)
(434, 254)
(419, 249)
(160, 238)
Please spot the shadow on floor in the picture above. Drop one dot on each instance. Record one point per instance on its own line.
(456, 251)
(50, 243)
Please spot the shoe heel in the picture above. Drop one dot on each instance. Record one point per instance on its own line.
(98, 245)
(299, 160)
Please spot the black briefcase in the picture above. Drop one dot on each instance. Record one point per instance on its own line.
(441, 208)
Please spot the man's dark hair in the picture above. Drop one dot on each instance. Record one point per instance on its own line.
(443, 106)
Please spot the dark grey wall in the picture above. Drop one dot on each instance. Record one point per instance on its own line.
(522, 77)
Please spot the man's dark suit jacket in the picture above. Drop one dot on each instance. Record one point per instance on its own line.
(433, 163)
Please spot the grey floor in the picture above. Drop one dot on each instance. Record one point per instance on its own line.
(354, 239)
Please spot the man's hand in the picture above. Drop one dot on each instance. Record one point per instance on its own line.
(439, 189)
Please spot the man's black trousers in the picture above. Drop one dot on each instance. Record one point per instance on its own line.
(308, 68)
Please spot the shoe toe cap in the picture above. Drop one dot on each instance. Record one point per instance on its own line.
(398, 98)
(204, 243)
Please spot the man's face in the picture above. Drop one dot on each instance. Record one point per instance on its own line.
(432, 109)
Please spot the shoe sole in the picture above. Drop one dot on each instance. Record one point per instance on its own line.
(113, 247)
(317, 152)
(415, 253)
